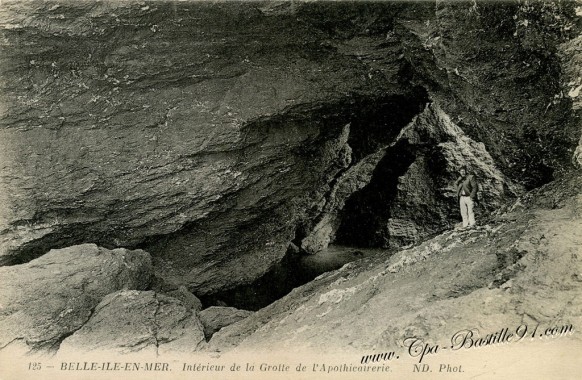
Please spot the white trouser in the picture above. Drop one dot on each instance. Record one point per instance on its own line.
(466, 204)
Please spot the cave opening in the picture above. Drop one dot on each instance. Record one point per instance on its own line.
(375, 124)
(367, 211)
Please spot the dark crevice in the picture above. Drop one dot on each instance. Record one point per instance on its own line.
(508, 265)
(372, 134)
(375, 127)
(54, 347)
(283, 277)
(63, 238)
(292, 271)
(366, 210)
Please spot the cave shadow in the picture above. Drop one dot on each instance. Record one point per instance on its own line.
(364, 212)
(368, 209)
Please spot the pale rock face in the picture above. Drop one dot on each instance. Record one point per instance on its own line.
(137, 322)
(52, 296)
(571, 58)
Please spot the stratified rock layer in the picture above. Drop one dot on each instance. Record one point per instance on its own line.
(213, 134)
(49, 298)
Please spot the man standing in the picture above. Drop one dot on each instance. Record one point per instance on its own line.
(467, 192)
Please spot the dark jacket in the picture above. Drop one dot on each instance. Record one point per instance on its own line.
(467, 185)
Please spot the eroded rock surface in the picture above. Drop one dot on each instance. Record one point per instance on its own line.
(130, 321)
(49, 298)
(523, 268)
(213, 134)
(216, 317)
(411, 194)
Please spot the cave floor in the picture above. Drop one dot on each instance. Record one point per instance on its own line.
(522, 268)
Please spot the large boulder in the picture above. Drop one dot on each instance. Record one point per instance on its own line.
(131, 321)
(49, 298)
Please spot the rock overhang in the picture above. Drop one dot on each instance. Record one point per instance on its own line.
(126, 122)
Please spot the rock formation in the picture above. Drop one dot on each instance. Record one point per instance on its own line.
(49, 298)
(130, 321)
(522, 268)
(407, 192)
(213, 135)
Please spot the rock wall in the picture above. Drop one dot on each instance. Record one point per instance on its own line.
(495, 67)
(411, 194)
(123, 121)
(213, 134)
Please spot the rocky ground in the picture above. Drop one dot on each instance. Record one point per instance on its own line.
(523, 265)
